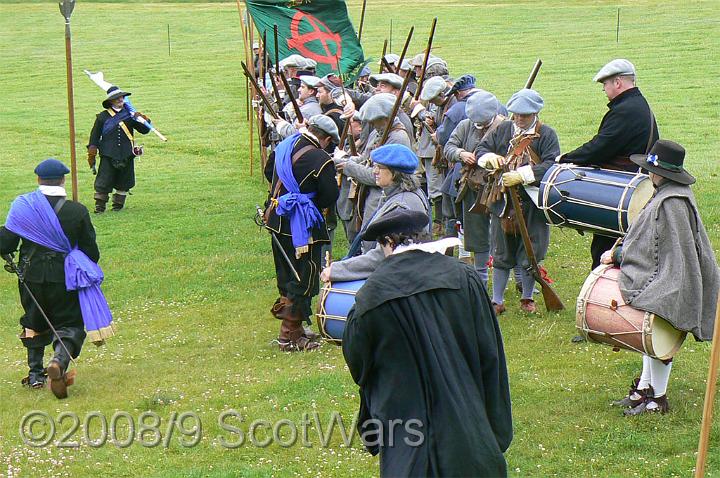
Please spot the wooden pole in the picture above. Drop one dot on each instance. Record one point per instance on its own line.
(709, 398)
(66, 8)
(251, 29)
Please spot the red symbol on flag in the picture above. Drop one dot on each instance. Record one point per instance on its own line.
(320, 32)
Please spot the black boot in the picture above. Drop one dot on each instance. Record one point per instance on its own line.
(57, 371)
(101, 200)
(118, 201)
(36, 377)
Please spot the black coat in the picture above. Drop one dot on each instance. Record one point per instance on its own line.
(115, 144)
(44, 273)
(41, 265)
(314, 172)
(428, 347)
(625, 129)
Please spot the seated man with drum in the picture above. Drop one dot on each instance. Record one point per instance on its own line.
(425, 348)
(627, 128)
(667, 268)
(531, 148)
(394, 171)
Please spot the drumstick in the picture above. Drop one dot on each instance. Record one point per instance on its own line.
(327, 259)
(709, 398)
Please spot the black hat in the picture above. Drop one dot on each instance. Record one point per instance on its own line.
(397, 221)
(665, 159)
(51, 168)
(112, 93)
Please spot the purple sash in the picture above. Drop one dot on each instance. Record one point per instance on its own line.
(299, 208)
(32, 218)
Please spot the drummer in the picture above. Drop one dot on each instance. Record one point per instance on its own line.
(394, 172)
(667, 267)
(628, 127)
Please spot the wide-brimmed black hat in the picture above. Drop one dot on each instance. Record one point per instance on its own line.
(397, 221)
(113, 93)
(665, 159)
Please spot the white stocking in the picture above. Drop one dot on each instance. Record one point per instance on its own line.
(645, 376)
(659, 376)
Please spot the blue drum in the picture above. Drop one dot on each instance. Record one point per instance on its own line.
(597, 200)
(336, 300)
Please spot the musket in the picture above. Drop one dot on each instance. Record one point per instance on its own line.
(260, 221)
(277, 69)
(382, 58)
(421, 80)
(346, 126)
(394, 112)
(552, 300)
(404, 50)
(533, 74)
(264, 99)
(288, 91)
(12, 268)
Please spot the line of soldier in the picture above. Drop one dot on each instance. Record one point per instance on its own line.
(460, 135)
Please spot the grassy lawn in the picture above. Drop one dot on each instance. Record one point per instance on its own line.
(190, 276)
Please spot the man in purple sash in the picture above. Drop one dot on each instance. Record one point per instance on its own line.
(302, 179)
(58, 263)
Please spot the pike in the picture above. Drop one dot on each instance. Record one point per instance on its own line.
(260, 221)
(362, 20)
(66, 9)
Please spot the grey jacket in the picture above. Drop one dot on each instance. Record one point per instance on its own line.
(360, 168)
(668, 266)
(360, 267)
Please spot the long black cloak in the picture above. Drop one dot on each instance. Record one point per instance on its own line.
(423, 343)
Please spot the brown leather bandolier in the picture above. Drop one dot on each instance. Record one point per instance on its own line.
(474, 177)
(494, 191)
(273, 200)
(363, 189)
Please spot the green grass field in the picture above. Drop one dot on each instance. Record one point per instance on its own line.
(190, 276)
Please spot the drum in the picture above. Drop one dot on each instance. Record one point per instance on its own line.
(336, 300)
(604, 317)
(593, 199)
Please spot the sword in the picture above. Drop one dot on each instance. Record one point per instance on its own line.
(260, 221)
(12, 268)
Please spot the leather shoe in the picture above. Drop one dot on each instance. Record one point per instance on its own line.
(528, 305)
(499, 308)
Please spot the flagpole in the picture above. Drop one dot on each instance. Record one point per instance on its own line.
(66, 8)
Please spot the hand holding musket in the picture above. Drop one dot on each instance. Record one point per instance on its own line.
(288, 91)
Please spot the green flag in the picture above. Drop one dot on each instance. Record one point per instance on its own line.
(316, 29)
